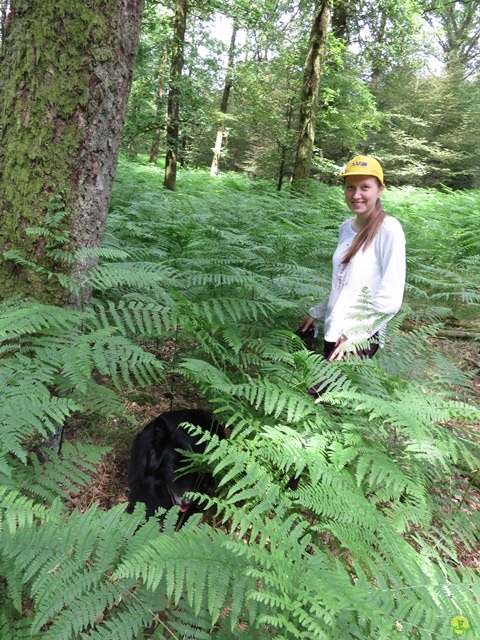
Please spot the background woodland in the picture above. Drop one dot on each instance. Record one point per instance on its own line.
(399, 80)
(176, 274)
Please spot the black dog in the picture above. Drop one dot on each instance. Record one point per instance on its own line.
(156, 458)
(308, 337)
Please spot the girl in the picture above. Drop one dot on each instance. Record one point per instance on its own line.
(369, 261)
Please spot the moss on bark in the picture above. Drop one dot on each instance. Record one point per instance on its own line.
(65, 75)
(311, 82)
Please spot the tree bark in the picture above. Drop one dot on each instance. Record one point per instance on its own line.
(173, 104)
(159, 110)
(283, 147)
(66, 68)
(224, 105)
(4, 8)
(311, 83)
(377, 58)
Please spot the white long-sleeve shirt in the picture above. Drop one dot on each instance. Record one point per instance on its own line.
(380, 270)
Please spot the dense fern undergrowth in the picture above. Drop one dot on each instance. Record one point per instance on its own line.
(224, 269)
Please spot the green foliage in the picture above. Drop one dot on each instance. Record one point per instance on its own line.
(223, 270)
(51, 361)
(55, 239)
(442, 274)
(399, 80)
(429, 132)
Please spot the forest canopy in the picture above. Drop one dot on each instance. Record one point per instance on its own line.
(399, 80)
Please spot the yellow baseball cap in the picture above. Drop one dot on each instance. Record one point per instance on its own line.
(363, 166)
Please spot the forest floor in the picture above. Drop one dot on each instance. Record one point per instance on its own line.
(466, 355)
(109, 485)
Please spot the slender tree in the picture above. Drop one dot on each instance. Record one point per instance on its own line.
(4, 4)
(311, 83)
(282, 147)
(389, 35)
(173, 104)
(224, 104)
(65, 74)
(159, 109)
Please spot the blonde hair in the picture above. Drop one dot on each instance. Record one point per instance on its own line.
(364, 238)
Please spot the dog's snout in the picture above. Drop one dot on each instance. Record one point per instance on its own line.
(185, 503)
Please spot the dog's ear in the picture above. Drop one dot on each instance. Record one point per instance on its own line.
(204, 419)
(181, 439)
(162, 432)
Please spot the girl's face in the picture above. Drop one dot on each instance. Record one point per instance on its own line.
(361, 195)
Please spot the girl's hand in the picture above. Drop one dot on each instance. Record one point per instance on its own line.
(306, 323)
(339, 351)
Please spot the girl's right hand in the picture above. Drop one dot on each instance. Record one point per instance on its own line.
(339, 352)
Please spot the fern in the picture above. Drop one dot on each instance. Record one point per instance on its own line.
(363, 547)
(59, 476)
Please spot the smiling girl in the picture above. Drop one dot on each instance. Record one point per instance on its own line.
(369, 261)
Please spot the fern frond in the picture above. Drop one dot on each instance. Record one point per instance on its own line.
(131, 617)
(18, 511)
(140, 319)
(225, 310)
(134, 276)
(166, 556)
(62, 475)
(35, 318)
(22, 416)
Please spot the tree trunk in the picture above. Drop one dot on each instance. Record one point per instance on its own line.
(4, 8)
(155, 146)
(65, 70)
(281, 168)
(224, 105)
(311, 83)
(462, 36)
(173, 105)
(378, 56)
(159, 110)
(283, 147)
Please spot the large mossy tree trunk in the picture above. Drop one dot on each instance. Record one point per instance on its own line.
(66, 68)
(311, 83)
